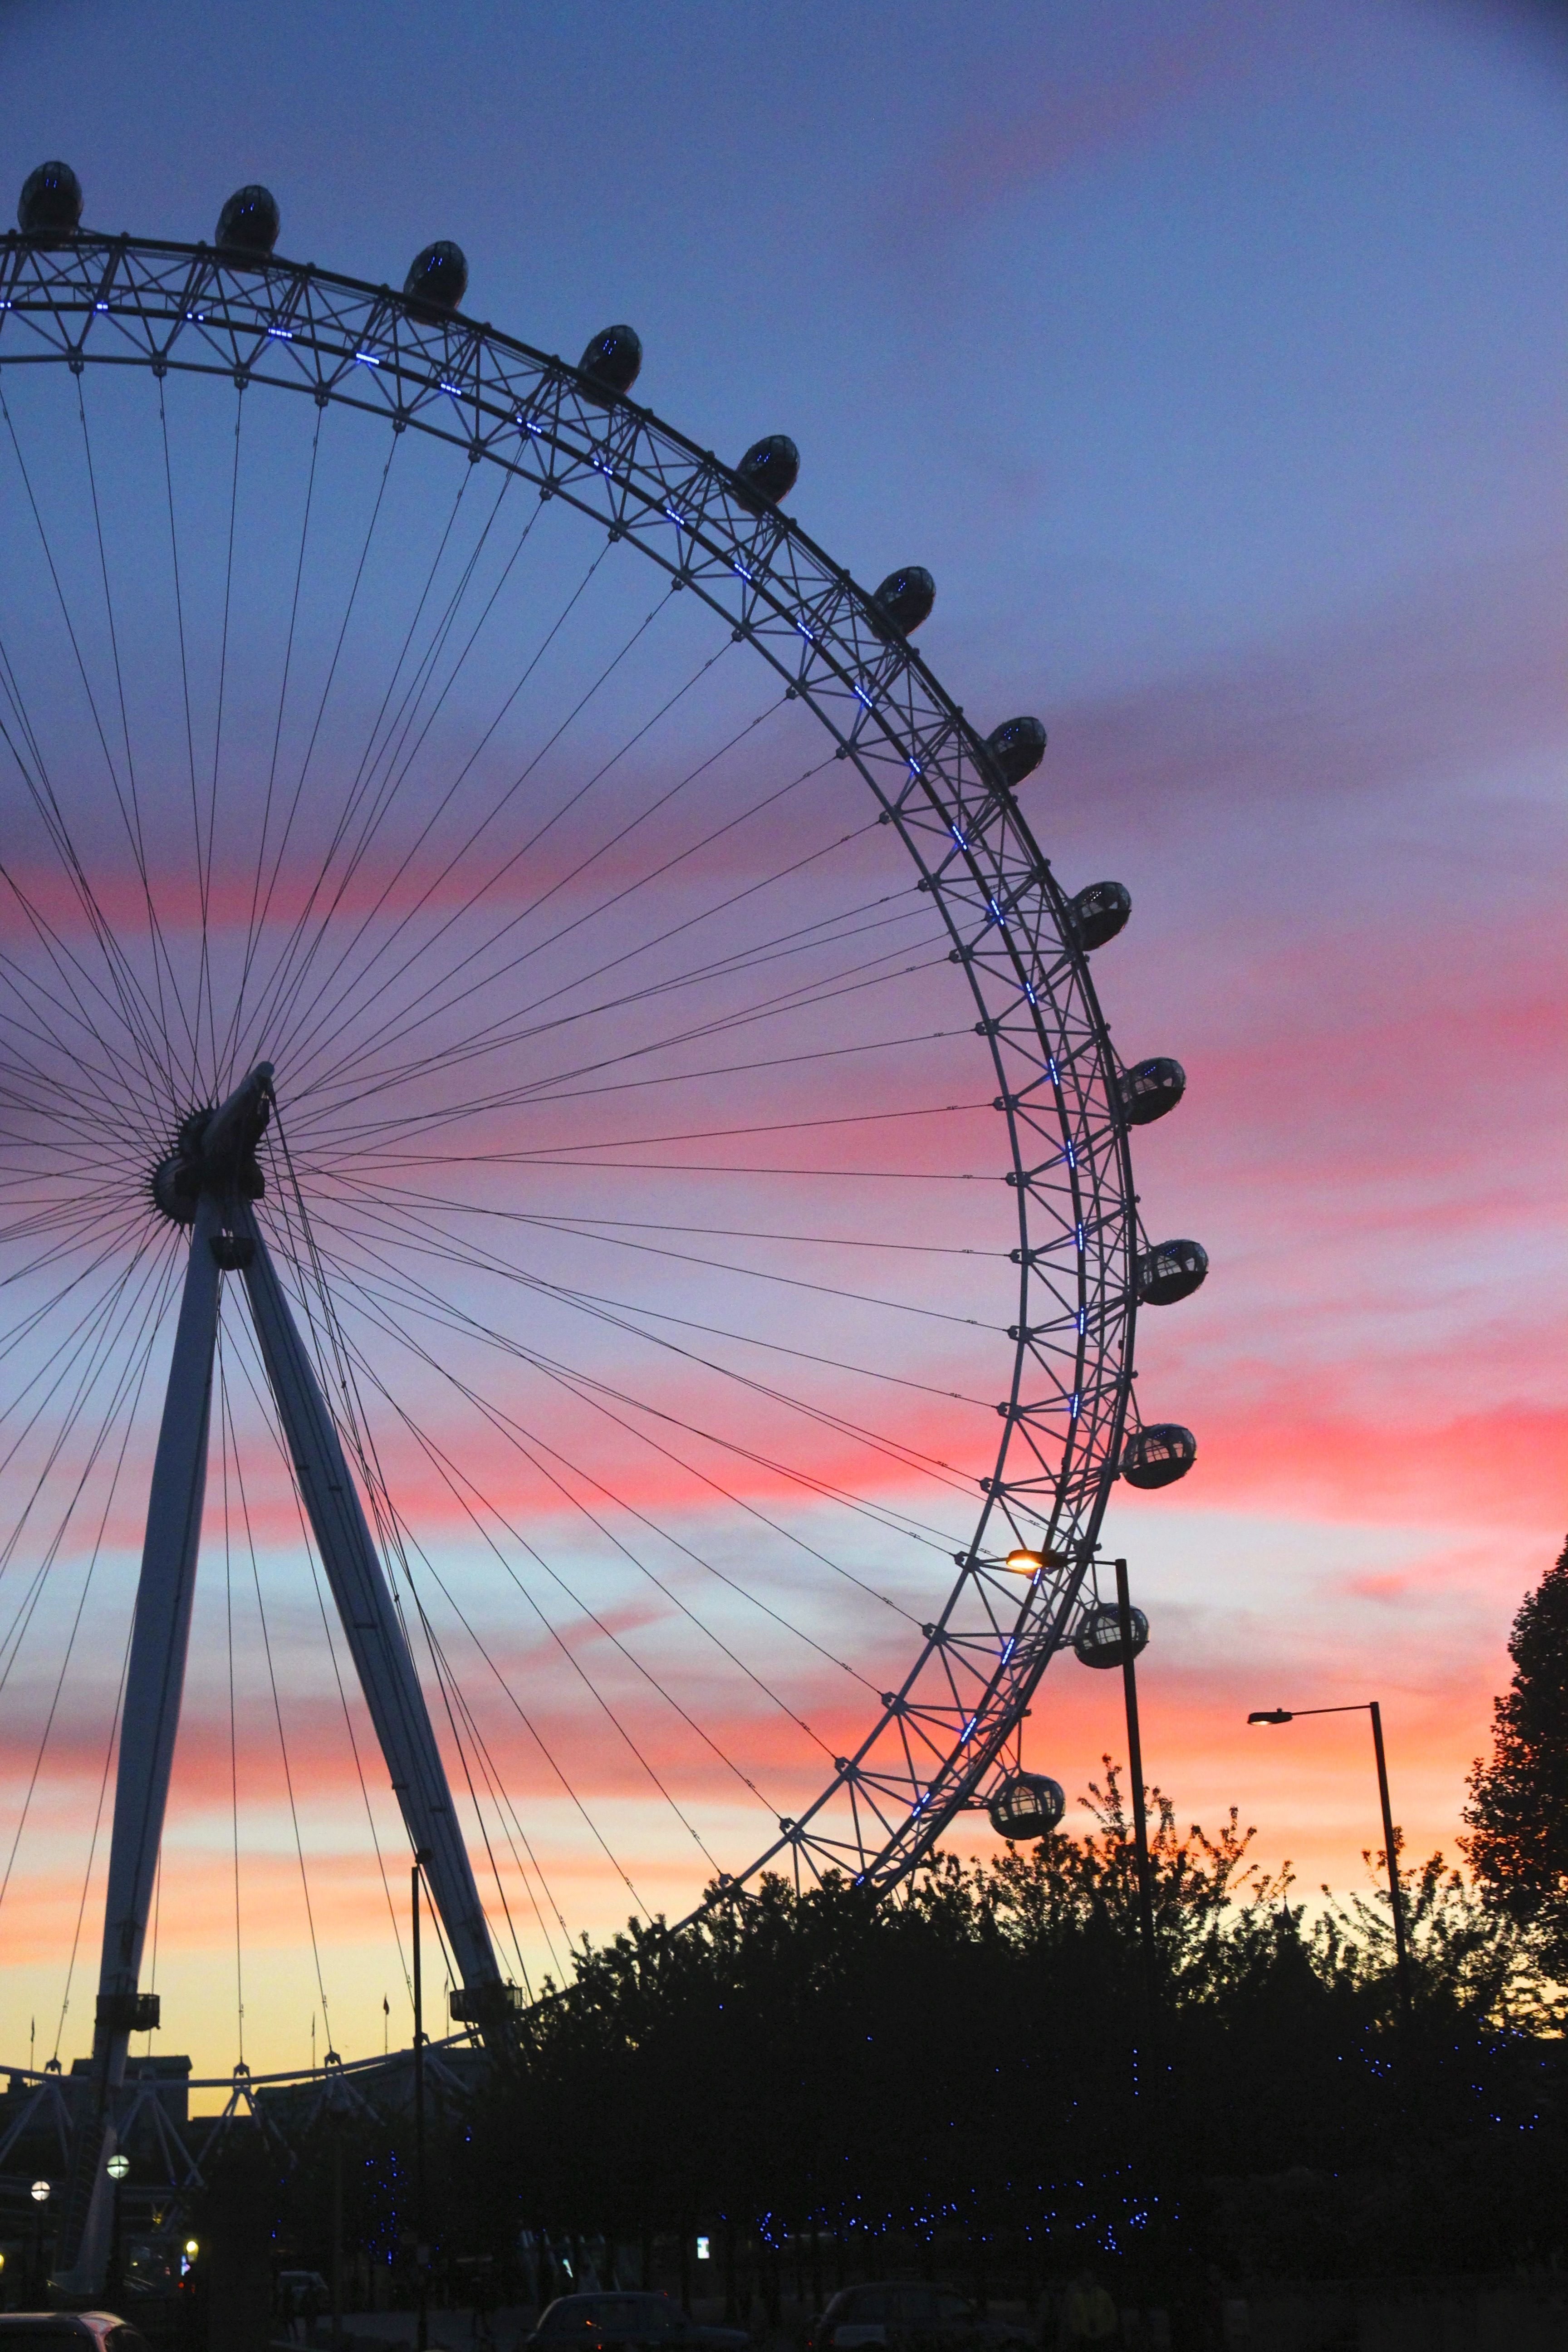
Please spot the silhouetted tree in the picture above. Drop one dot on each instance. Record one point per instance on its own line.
(1518, 1812)
(964, 2079)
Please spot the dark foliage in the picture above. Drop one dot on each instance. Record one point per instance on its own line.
(1518, 1812)
(969, 2078)
(967, 2082)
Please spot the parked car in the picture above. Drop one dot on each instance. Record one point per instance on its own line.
(626, 2318)
(295, 2288)
(912, 2316)
(300, 2298)
(69, 2331)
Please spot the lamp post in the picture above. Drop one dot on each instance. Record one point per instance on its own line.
(337, 2228)
(1395, 1895)
(117, 2169)
(1112, 1635)
(40, 2193)
(421, 2245)
(1135, 1768)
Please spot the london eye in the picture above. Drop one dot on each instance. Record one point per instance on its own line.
(559, 1146)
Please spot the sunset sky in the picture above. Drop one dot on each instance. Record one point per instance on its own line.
(1212, 357)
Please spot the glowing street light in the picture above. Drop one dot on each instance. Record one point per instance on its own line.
(1023, 1560)
(118, 2167)
(1395, 1895)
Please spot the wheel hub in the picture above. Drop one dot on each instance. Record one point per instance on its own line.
(215, 1152)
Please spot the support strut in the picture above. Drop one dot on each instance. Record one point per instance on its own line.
(208, 1181)
(376, 1641)
(154, 1683)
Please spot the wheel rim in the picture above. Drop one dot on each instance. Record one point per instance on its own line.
(934, 1744)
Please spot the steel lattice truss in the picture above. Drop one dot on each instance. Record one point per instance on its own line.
(176, 2158)
(938, 1744)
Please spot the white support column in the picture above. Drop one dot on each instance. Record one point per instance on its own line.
(153, 1687)
(381, 1654)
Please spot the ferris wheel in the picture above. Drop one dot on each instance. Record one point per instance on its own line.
(551, 1094)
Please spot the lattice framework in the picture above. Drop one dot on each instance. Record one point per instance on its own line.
(938, 1744)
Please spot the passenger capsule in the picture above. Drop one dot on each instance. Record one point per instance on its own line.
(1016, 748)
(903, 601)
(1148, 1089)
(1027, 1805)
(50, 202)
(249, 222)
(1097, 914)
(1097, 1642)
(437, 278)
(1169, 1271)
(612, 361)
(767, 472)
(1159, 1455)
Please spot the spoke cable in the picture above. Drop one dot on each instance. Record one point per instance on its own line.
(227, 1414)
(375, 1487)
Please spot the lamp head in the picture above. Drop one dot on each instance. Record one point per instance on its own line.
(1026, 1560)
(1272, 1715)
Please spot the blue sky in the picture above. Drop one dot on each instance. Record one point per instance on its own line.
(1193, 332)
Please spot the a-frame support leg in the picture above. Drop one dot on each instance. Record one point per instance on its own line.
(376, 1637)
(208, 1167)
(154, 1685)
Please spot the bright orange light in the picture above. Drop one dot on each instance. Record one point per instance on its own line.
(1024, 1562)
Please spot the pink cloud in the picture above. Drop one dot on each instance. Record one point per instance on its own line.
(1280, 1444)
(1463, 669)
(1077, 108)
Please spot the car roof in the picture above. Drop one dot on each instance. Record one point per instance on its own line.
(621, 2293)
(884, 2286)
(63, 2323)
(608, 2295)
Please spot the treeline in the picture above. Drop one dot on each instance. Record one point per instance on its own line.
(969, 2078)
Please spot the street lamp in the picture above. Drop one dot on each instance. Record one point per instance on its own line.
(1135, 1773)
(1023, 1561)
(421, 2225)
(1112, 1633)
(1367, 1706)
(119, 2169)
(40, 2192)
